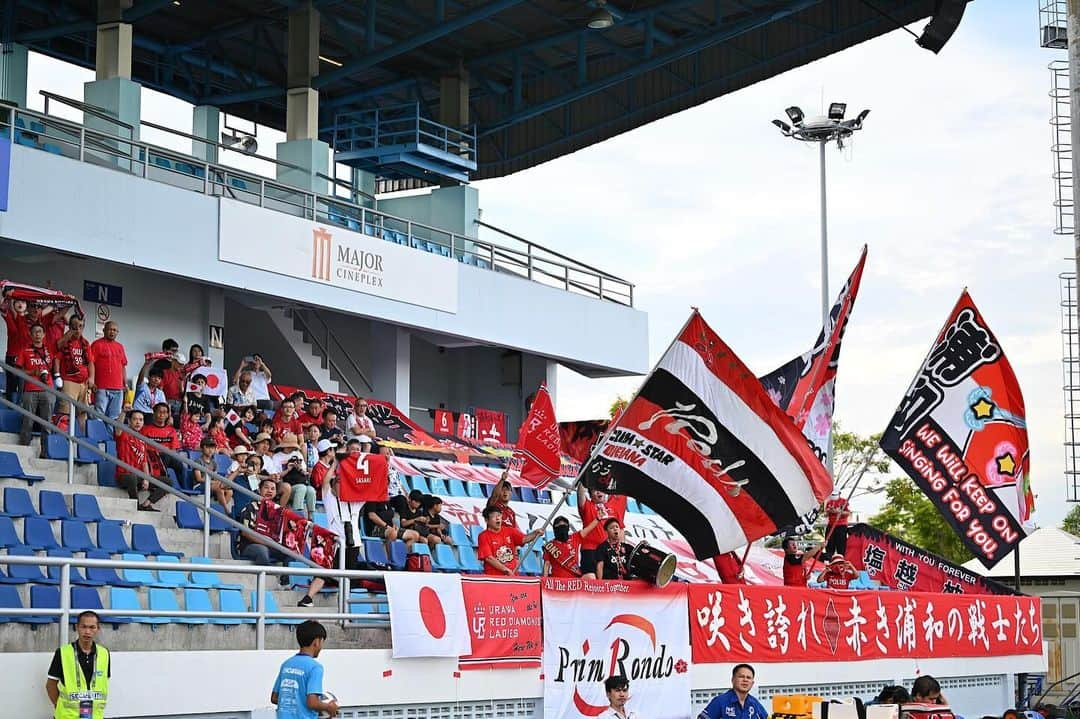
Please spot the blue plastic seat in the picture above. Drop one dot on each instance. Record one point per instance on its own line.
(474, 534)
(632, 505)
(528, 494)
(37, 534)
(473, 490)
(437, 485)
(17, 503)
(270, 605)
(106, 473)
(42, 597)
(172, 577)
(76, 574)
(98, 431)
(420, 482)
(231, 600)
(110, 537)
(197, 600)
(11, 468)
(375, 551)
(74, 537)
(398, 554)
(56, 447)
(467, 559)
(28, 572)
(209, 579)
(8, 537)
(457, 488)
(321, 520)
(85, 507)
(187, 516)
(459, 535)
(5, 579)
(217, 524)
(144, 577)
(144, 539)
(106, 575)
(10, 420)
(444, 559)
(531, 566)
(10, 599)
(222, 462)
(83, 598)
(515, 494)
(543, 496)
(571, 498)
(162, 600)
(125, 598)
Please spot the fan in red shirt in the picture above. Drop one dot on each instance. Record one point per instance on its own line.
(795, 562)
(72, 364)
(562, 555)
(729, 568)
(596, 507)
(500, 499)
(134, 451)
(838, 573)
(18, 337)
(286, 421)
(498, 544)
(313, 413)
(110, 367)
(837, 511)
(35, 361)
(160, 430)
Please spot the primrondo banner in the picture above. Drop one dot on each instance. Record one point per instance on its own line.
(595, 629)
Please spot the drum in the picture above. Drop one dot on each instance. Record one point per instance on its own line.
(651, 564)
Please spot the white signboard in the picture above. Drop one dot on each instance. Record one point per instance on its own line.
(330, 255)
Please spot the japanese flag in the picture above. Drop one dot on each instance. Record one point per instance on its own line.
(232, 417)
(217, 383)
(427, 615)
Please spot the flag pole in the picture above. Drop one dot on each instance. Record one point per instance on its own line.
(607, 432)
(828, 534)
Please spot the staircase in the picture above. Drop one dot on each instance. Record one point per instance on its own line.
(309, 354)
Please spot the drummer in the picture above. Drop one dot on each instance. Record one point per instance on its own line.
(612, 557)
(562, 555)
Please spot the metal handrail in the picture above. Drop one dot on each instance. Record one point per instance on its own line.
(330, 335)
(206, 507)
(216, 180)
(94, 110)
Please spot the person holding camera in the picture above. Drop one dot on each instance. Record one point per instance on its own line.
(295, 474)
(36, 361)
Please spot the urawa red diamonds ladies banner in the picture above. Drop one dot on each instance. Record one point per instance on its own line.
(785, 624)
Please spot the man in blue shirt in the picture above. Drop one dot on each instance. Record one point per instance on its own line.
(298, 689)
(737, 702)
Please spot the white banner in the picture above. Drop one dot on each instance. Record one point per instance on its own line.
(330, 255)
(427, 615)
(596, 629)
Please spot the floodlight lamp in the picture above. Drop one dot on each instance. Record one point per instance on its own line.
(784, 127)
(795, 114)
(837, 110)
(601, 18)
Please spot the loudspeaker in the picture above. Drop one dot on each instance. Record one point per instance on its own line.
(942, 25)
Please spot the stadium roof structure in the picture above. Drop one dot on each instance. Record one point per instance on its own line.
(542, 82)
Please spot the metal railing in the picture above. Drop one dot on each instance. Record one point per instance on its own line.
(326, 347)
(259, 613)
(400, 125)
(512, 254)
(73, 440)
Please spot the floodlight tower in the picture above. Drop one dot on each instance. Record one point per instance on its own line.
(822, 130)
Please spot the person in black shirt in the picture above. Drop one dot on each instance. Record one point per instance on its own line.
(248, 547)
(437, 525)
(414, 516)
(197, 402)
(329, 428)
(613, 555)
(379, 523)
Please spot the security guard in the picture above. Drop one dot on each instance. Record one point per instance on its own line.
(78, 682)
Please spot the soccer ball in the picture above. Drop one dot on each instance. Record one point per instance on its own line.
(326, 697)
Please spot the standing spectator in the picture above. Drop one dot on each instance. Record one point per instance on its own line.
(358, 423)
(172, 381)
(242, 393)
(133, 451)
(597, 506)
(500, 499)
(313, 413)
(216, 431)
(617, 688)
(498, 544)
(196, 358)
(838, 572)
(612, 557)
(74, 367)
(260, 376)
(79, 673)
(18, 337)
(196, 400)
(193, 426)
(737, 702)
(297, 692)
(222, 493)
(562, 555)
(35, 361)
(107, 378)
(795, 561)
(55, 328)
(837, 511)
(394, 489)
(255, 548)
(311, 441)
(286, 420)
(149, 392)
(729, 568)
(324, 450)
(329, 428)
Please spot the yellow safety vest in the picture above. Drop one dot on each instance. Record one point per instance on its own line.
(73, 689)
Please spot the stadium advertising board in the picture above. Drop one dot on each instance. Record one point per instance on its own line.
(765, 624)
(329, 255)
(595, 629)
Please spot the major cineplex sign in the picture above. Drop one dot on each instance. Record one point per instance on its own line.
(335, 256)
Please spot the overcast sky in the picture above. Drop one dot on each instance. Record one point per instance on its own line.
(949, 185)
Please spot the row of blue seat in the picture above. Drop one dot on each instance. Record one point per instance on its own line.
(51, 505)
(33, 138)
(402, 238)
(75, 536)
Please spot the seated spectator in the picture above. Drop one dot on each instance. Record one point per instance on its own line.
(414, 517)
(238, 433)
(500, 499)
(329, 428)
(313, 413)
(295, 474)
(437, 524)
(254, 471)
(261, 447)
(286, 420)
(284, 448)
(35, 360)
(925, 689)
(254, 548)
(238, 470)
(892, 694)
(196, 400)
(132, 450)
(149, 391)
(160, 430)
(838, 572)
(242, 392)
(498, 544)
(73, 365)
(612, 557)
(562, 554)
(222, 493)
(358, 423)
(379, 523)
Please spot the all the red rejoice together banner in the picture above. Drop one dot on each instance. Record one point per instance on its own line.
(770, 624)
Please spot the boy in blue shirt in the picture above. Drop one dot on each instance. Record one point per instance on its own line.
(298, 689)
(737, 702)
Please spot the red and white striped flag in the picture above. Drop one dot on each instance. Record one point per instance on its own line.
(538, 442)
(705, 446)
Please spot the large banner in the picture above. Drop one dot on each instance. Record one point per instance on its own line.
(504, 623)
(762, 624)
(960, 433)
(900, 565)
(329, 255)
(596, 629)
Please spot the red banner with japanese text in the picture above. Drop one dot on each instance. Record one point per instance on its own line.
(504, 623)
(772, 624)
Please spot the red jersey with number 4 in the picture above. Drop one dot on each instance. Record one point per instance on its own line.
(502, 545)
(615, 506)
(363, 478)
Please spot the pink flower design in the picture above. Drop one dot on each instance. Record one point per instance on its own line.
(680, 666)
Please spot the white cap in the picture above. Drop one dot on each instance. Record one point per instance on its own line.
(363, 438)
(323, 444)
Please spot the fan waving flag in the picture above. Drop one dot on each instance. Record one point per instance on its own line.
(538, 442)
(364, 478)
(960, 432)
(704, 445)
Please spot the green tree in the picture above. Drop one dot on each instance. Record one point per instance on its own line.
(1071, 523)
(855, 457)
(617, 406)
(911, 516)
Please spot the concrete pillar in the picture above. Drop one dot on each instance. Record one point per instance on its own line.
(362, 182)
(13, 73)
(454, 99)
(302, 146)
(113, 51)
(113, 91)
(206, 123)
(391, 349)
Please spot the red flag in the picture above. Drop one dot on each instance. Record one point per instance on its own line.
(324, 547)
(538, 442)
(466, 429)
(444, 421)
(363, 478)
(490, 426)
